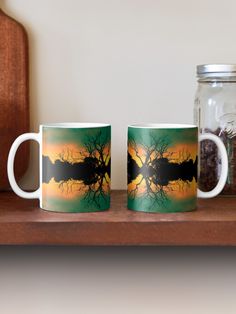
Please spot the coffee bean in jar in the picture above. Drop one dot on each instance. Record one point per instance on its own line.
(215, 112)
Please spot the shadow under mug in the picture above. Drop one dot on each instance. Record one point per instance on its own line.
(163, 167)
(75, 164)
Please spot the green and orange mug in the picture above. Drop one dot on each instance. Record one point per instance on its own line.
(163, 167)
(75, 164)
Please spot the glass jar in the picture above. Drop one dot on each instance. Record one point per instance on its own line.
(215, 112)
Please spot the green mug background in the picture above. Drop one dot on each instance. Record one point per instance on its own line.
(162, 168)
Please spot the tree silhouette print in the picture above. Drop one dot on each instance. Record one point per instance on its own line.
(154, 172)
(86, 171)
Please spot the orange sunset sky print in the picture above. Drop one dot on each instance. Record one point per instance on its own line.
(70, 152)
(69, 190)
(175, 189)
(176, 153)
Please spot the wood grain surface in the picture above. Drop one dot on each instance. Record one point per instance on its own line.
(23, 222)
(14, 94)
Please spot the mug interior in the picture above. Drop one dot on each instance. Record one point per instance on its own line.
(78, 125)
(161, 126)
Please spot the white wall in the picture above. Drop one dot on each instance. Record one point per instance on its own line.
(120, 62)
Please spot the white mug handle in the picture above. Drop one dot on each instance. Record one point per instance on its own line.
(10, 165)
(224, 165)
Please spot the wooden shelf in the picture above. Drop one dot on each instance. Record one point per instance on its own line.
(23, 222)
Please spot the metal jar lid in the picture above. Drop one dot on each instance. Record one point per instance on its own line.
(216, 70)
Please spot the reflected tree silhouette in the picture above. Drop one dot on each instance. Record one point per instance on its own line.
(152, 169)
(86, 171)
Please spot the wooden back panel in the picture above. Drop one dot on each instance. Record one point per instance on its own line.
(14, 94)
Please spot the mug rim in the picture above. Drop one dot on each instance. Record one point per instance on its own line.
(162, 126)
(76, 125)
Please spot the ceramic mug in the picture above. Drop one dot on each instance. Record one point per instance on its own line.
(163, 167)
(74, 167)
